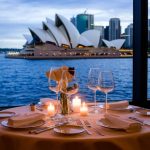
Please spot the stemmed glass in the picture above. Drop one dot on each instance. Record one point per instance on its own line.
(69, 84)
(93, 83)
(54, 85)
(106, 84)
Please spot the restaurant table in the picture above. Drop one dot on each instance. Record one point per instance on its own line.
(112, 139)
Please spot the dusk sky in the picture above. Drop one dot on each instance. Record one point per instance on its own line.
(17, 15)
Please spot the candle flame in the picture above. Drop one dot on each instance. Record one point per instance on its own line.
(50, 107)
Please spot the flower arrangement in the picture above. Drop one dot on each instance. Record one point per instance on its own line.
(63, 76)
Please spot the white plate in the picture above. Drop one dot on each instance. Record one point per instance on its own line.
(129, 108)
(5, 114)
(107, 124)
(144, 112)
(69, 129)
(33, 125)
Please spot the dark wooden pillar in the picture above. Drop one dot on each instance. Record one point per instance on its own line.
(140, 47)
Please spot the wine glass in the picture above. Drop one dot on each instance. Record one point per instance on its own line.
(93, 83)
(106, 84)
(54, 84)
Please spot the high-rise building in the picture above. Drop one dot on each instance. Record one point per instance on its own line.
(106, 33)
(149, 30)
(114, 29)
(73, 20)
(129, 36)
(101, 29)
(84, 22)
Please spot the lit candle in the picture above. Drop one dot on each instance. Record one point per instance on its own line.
(83, 109)
(76, 104)
(51, 109)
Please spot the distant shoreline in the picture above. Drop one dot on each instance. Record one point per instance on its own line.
(66, 57)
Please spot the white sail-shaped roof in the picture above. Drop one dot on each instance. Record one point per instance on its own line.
(83, 41)
(93, 36)
(108, 43)
(118, 43)
(28, 38)
(72, 32)
(50, 21)
(57, 34)
(43, 35)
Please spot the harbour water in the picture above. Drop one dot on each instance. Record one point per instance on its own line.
(23, 81)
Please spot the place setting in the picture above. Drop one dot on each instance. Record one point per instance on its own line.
(25, 121)
(115, 122)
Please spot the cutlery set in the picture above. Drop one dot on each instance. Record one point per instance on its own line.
(85, 124)
(80, 123)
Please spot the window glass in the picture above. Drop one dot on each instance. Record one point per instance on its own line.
(23, 81)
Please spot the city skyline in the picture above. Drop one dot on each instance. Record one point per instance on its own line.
(16, 16)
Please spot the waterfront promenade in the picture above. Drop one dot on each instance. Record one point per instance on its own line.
(78, 53)
(67, 57)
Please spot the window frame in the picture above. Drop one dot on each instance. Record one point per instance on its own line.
(140, 47)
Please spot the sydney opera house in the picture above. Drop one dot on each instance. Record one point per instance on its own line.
(61, 38)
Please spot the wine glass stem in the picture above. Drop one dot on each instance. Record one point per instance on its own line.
(57, 109)
(106, 104)
(95, 100)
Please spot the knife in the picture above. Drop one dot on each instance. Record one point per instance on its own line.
(140, 121)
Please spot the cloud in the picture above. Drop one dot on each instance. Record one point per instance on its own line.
(17, 15)
(11, 43)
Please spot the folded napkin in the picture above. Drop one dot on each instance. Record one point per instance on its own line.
(127, 125)
(117, 105)
(26, 119)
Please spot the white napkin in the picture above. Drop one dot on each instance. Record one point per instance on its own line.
(116, 105)
(25, 119)
(127, 125)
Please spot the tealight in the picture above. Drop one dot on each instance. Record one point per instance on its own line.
(51, 109)
(83, 109)
(76, 104)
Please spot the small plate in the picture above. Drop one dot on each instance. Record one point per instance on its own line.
(129, 108)
(33, 125)
(107, 124)
(5, 114)
(69, 129)
(144, 112)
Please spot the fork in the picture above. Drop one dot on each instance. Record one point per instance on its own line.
(86, 122)
(80, 123)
